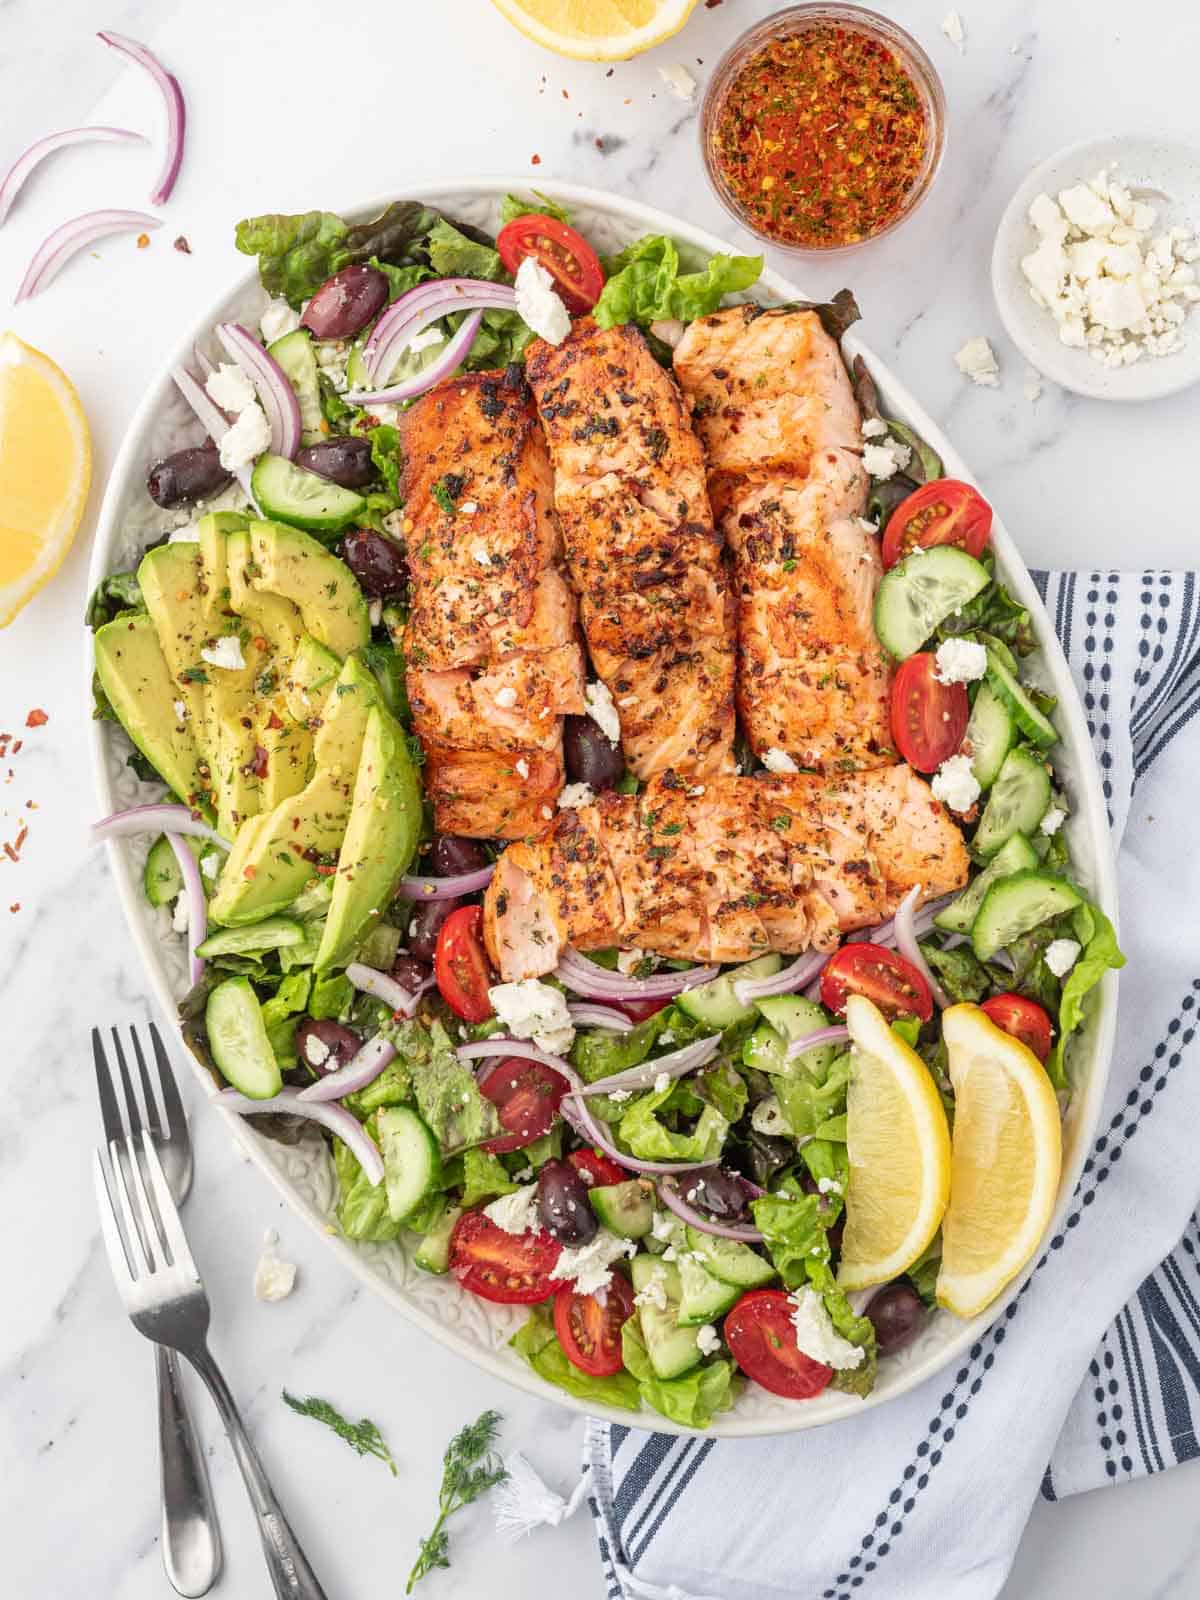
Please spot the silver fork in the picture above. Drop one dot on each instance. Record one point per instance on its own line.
(191, 1540)
(166, 1302)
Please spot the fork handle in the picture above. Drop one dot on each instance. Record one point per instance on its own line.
(191, 1540)
(291, 1575)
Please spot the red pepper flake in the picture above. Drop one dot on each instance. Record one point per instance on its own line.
(259, 642)
(183, 246)
(5, 739)
(257, 766)
(143, 241)
(274, 721)
(711, 5)
(326, 872)
(535, 161)
(249, 872)
(609, 73)
(10, 852)
(15, 907)
(565, 95)
(36, 719)
(17, 743)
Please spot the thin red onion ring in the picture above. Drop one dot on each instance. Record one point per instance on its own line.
(197, 904)
(675, 1065)
(418, 888)
(363, 1068)
(426, 303)
(448, 362)
(216, 423)
(831, 1035)
(172, 94)
(384, 987)
(787, 981)
(158, 818)
(335, 1118)
(14, 179)
(597, 1016)
(593, 982)
(500, 1045)
(906, 943)
(271, 385)
(674, 1201)
(70, 238)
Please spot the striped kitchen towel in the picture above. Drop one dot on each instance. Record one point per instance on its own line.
(925, 1498)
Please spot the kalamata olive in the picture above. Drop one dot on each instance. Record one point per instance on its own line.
(452, 856)
(187, 476)
(325, 1045)
(590, 756)
(563, 1204)
(897, 1314)
(375, 561)
(424, 925)
(345, 459)
(345, 303)
(717, 1192)
(410, 973)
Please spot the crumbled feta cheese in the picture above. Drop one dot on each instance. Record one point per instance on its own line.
(776, 760)
(1031, 388)
(867, 525)
(621, 1095)
(228, 386)
(547, 813)
(1061, 955)
(526, 1173)
(816, 1335)
(679, 80)
(521, 768)
(952, 27)
(481, 555)
(883, 461)
(663, 1226)
(695, 791)
(628, 961)
(375, 612)
(977, 360)
(1052, 821)
(533, 1010)
(828, 1186)
(575, 795)
(590, 1266)
(874, 428)
(274, 1279)
(468, 508)
(180, 917)
(179, 709)
(210, 865)
(316, 1051)
(246, 440)
(224, 652)
(516, 1212)
(506, 697)
(768, 1117)
(277, 320)
(599, 701)
(955, 785)
(960, 661)
(654, 1293)
(662, 1082)
(425, 340)
(667, 1036)
(708, 1339)
(538, 306)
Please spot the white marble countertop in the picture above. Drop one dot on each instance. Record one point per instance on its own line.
(302, 104)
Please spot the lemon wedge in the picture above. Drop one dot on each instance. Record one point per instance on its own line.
(1007, 1160)
(597, 30)
(899, 1148)
(45, 471)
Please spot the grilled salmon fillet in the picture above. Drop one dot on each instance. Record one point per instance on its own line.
(629, 485)
(772, 403)
(491, 644)
(723, 870)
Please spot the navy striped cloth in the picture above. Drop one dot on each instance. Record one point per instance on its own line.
(925, 1499)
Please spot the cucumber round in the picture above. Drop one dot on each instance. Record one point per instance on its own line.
(302, 499)
(295, 354)
(1018, 855)
(672, 1350)
(273, 933)
(1017, 803)
(991, 734)
(732, 1262)
(238, 1040)
(433, 1252)
(626, 1209)
(715, 1003)
(1032, 722)
(703, 1298)
(788, 1017)
(920, 592)
(1016, 904)
(412, 1162)
(162, 881)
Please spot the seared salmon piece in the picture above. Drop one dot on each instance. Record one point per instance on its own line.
(772, 404)
(632, 501)
(723, 870)
(493, 658)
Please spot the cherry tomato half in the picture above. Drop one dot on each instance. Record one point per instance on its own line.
(639, 1010)
(590, 1333)
(885, 978)
(760, 1334)
(599, 1169)
(1024, 1019)
(511, 1268)
(943, 512)
(565, 254)
(461, 965)
(929, 717)
(527, 1095)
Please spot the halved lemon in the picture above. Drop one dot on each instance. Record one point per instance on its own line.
(899, 1148)
(45, 470)
(1007, 1160)
(597, 30)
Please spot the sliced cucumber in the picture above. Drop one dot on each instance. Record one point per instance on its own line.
(1032, 722)
(703, 1298)
(626, 1209)
(412, 1163)
(1018, 855)
(730, 1261)
(273, 933)
(921, 591)
(715, 1003)
(303, 499)
(672, 1350)
(433, 1252)
(238, 1040)
(788, 1017)
(1016, 904)
(991, 734)
(1017, 803)
(162, 881)
(295, 354)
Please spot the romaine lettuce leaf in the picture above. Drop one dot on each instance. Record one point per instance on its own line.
(453, 255)
(960, 971)
(392, 1087)
(483, 1178)
(649, 1138)
(793, 1228)
(448, 1097)
(693, 1399)
(809, 1101)
(331, 997)
(362, 1208)
(536, 1342)
(297, 253)
(598, 1055)
(645, 284)
(512, 207)
(1100, 952)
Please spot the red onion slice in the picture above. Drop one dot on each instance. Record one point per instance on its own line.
(593, 982)
(271, 385)
(197, 904)
(885, 933)
(14, 179)
(216, 424)
(675, 1065)
(363, 1068)
(417, 888)
(68, 240)
(906, 943)
(426, 303)
(498, 1045)
(335, 1118)
(448, 362)
(669, 1194)
(832, 1035)
(594, 1016)
(383, 987)
(172, 94)
(787, 981)
(161, 818)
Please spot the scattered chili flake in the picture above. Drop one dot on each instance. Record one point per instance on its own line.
(259, 642)
(10, 852)
(15, 907)
(535, 161)
(183, 246)
(565, 95)
(711, 5)
(249, 872)
(143, 241)
(274, 721)
(36, 719)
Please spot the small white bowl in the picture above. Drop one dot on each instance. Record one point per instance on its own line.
(1166, 173)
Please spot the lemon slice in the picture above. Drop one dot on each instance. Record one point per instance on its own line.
(1007, 1160)
(597, 30)
(45, 470)
(899, 1148)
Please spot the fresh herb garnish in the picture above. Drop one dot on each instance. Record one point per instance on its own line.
(447, 490)
(469, 1469)
(194, 675)
(364, 1438)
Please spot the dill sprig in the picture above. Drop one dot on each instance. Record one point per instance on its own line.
(363, 1437)
(469, 1470)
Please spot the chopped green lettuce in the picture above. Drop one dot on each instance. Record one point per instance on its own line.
(536, 1342)
(119, 592)
(809, 1100)
(448, 1097)
(362, 1208)
(597, 1054)
(331, 997)
(297, 253)
(961, 973)
(392, 1087)
(512, 207)
(484, 1178)
(645, 283)
(793, 1228)
(1100, 951)
(858, 1330)
(453, 255)
(281, 1016)
(647, 1136)
(692, 1400)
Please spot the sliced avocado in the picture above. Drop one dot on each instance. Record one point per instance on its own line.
(170, 583)
(289, 562)
(312, 671)
(229, 738)
(381, 838)
(133, 674)
(275, 617)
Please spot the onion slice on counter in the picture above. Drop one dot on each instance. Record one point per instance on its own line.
(596, 1016)
(416, 888)
(275, 393)
(384, 987)
(906, 943)
(172, 94)
(335, 1118)
(670, 1196)
(197, 904)
(675, 1065)
(158, 818)
(363, 1068)
(417, 308)
(499, 1045)
(66, 241)
(216, 424)
(786, 981)
(450, 359)
(834, 1034)
(14, 179)
(593, 982)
